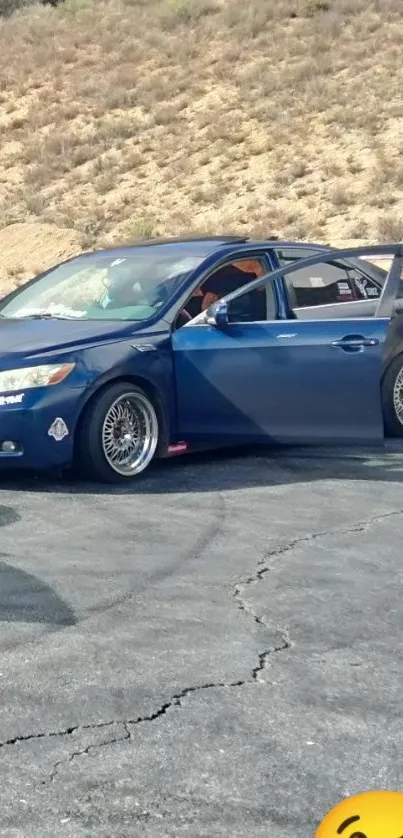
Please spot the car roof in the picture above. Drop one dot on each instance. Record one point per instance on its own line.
(196, 244)
(200, 244)
(209, 244)
(206, 245)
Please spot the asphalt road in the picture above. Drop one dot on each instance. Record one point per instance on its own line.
(217, 652)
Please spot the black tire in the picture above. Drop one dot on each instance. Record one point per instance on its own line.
(393, 426)
(91, 455)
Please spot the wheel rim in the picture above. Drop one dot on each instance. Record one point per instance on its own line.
(398, 396)
(129, 434)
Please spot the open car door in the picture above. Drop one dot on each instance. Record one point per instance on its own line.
(286, 380)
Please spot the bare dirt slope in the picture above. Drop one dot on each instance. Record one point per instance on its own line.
(133, 118)
(29, 247)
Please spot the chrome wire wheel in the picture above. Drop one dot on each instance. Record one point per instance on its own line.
(398, 396)
(129, 434)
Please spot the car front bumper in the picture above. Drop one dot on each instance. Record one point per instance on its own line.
(27, 425)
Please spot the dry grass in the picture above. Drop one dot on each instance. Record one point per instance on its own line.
(145, 117)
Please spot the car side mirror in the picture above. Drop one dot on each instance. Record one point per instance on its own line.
(217, 315)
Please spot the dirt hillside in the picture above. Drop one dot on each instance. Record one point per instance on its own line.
(133, 118)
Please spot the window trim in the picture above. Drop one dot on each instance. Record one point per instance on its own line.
(290, 321)
(332, 305)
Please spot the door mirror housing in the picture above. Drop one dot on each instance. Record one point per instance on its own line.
(217, 315)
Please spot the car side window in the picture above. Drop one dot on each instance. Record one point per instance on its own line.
(253, 306)
(326, 283)
(249, 307)
(257, 305)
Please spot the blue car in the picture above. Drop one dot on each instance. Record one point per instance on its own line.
(116, 357)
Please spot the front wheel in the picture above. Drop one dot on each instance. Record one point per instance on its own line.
(392, 398)
(118, 434)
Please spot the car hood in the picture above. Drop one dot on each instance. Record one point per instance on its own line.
(25, 338)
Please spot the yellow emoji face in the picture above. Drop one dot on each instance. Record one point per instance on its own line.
(373, 814)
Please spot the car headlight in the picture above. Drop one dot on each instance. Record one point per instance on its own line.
(27, 377)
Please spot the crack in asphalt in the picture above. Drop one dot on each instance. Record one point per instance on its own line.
(263, 567)
(84, 751)
(174, 701)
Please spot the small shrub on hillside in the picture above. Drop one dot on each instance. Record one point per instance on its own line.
(390, 228)
(7, 7)
(175, 12)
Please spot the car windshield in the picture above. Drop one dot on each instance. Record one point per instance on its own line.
(101, 286)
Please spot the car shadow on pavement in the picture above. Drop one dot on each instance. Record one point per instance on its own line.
(232, 469)
(26, 599)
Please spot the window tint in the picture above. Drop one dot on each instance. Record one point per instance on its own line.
(326, 282)
(133, 286)
(253, 306)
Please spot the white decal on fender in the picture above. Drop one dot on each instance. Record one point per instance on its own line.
(58, 429)
(12, 399)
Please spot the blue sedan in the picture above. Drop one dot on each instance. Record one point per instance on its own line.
(119, 356)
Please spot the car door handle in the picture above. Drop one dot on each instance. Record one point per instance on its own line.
(355, 342)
